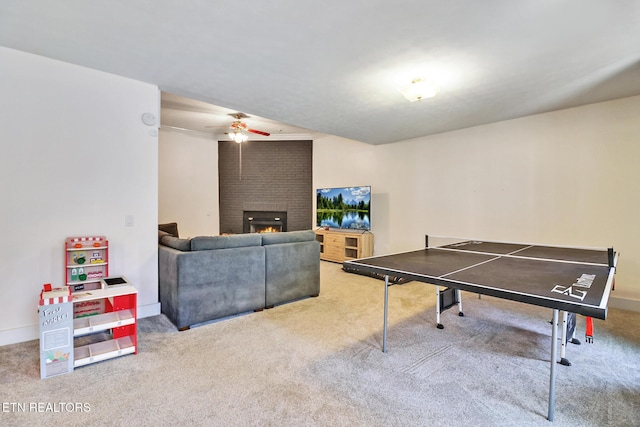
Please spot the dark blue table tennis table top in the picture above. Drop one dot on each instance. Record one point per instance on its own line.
(575, 280)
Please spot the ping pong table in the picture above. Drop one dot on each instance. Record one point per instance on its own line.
(564, 279)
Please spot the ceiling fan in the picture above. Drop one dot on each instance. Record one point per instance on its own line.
(239, 129)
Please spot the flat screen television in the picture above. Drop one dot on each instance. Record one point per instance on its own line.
(344, 208)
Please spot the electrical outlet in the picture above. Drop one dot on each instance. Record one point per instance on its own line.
(128, 220)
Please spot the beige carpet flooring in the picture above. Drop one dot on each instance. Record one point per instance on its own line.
(318, 362)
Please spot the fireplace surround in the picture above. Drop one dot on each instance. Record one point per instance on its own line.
(264, 221)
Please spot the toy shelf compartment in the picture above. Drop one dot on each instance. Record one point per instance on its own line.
(73, 264)
(103, 350)
(84, 243)
(102, 322)
(91, 273)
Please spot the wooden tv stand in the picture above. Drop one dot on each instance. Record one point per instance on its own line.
(341, 245)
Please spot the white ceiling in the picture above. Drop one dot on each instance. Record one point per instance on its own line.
(330, 66)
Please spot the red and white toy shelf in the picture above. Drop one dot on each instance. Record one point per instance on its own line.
(87, 261)
(101, 311)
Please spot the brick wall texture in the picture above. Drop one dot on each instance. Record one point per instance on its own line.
(273, 173)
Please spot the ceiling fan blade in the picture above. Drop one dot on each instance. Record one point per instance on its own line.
(259, 132)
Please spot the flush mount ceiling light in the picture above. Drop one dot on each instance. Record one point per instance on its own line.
(418, 89)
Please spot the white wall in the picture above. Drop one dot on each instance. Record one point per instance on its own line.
(75, 159)
(188, 182)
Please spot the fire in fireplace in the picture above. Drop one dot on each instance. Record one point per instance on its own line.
(264, 221)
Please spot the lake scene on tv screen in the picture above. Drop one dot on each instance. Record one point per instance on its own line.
(348, 207)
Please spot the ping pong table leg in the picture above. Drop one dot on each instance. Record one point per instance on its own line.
(563, 340)
(386, 313)
(554, 356)
(438, 324)
(459, 295)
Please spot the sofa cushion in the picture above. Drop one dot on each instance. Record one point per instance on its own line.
(176, 243)
(288, 237)
(205, 243)
(170, 227)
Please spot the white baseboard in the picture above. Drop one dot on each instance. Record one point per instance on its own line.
(625, 304)
(148, 310)
(16, 335)
(32, 332)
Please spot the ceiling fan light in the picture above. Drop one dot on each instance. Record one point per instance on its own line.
(238, 136)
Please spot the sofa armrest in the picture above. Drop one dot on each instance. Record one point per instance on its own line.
(168, 281)
(292, 271)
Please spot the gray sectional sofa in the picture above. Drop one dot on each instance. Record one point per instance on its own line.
(208, 277)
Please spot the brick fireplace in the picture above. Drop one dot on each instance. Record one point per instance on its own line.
(276, 177)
